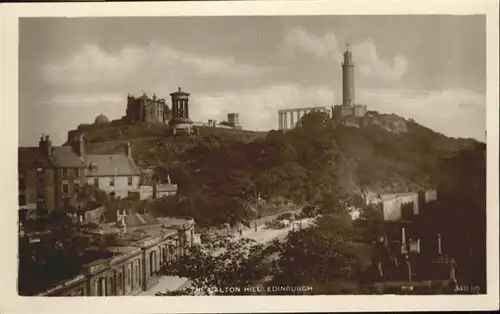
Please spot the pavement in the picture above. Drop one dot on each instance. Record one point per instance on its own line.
(166, 283)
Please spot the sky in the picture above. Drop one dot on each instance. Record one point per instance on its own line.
(429, 68)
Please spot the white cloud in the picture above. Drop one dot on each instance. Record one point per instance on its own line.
(453, 112)
(84, 100)
(92, 64)
(321, 46)
(365, 54)
(370, 65)
(258, 108)
(65, 112)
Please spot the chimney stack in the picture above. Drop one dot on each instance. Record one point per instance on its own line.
(403, 241)
(80, 146)
(45, 145)
(439, 244)
(128, 150)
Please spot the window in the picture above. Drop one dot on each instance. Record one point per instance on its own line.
(96, 182)
(152, 263)
(129, 275)
(96, 287)
(119, 284)
(65, 187)
(111, 289)
(22, 199)
(112, 182)
(129, 179)
(22, 184)
(137, 279)
(77, 172)
(102, 291)
(64, 172)
(77, 186)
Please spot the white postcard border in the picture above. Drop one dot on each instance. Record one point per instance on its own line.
(12, 303)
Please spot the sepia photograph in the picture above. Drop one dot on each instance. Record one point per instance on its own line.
(253, 155)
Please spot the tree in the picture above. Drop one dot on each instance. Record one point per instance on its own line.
(371, 223)
(219, 264)
(314, 121)
(324, 256)
(58, 255)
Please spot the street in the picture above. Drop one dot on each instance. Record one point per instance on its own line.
(262, 236)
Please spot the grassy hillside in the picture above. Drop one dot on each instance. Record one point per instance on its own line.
(221, 169)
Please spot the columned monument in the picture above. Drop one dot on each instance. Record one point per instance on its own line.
(288, 118)
(180, 122)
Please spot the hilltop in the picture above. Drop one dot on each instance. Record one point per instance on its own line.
(220, 169)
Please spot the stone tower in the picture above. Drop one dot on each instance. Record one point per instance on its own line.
(347, 79)
(180, 121)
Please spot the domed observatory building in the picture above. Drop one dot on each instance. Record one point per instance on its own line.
(101, 119)
(180, 122)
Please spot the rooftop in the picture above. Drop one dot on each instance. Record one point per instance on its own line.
(179, 92)
(111, 165)
(61, 156)
(166, 187)
(121, 249)
(390, 195)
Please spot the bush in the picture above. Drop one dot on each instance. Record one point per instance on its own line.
(275, 224)
(286, 216)
(310, 211)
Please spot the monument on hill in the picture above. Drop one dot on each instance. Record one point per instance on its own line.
(348, 79)
(180, 122)
(349, 108)
(348, 113)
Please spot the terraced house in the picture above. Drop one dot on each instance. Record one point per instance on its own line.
(48, 175)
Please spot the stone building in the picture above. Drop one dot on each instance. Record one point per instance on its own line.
(404, 206)
(233, 120)
(113, 173)
(48, 176)
(101, 120)
(397, 206)
(145, 109)
(133, 259)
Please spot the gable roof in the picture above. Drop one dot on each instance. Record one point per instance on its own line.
(111, 165)
(62, 156)
(65, 156)
(29, 155)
